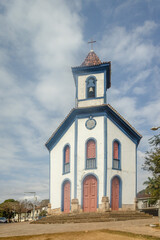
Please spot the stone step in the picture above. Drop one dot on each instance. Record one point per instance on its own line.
(92, 217)
(97, 215)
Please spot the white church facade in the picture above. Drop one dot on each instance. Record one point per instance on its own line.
(93, 153)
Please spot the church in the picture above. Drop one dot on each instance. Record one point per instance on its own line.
(93, 152)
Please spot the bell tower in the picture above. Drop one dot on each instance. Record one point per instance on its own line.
(92, 79)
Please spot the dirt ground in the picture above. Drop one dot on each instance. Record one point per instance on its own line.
(85, 235)
(85, 231)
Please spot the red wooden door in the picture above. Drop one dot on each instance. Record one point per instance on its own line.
(90, 194)
(115, 194)
(66, 197)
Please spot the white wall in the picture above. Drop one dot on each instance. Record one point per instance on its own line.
(128, 163)
(83, 135)
(56, 176)
(93, 102)
(82, 90)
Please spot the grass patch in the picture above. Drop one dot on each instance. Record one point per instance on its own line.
(129, 234)
(82, 235)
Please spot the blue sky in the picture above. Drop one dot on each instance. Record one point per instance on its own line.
(39, 42)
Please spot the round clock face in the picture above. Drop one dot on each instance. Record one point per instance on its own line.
(90, 123)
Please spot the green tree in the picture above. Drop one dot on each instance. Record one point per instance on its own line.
(43, 213)
(7, 208)
(152, 164)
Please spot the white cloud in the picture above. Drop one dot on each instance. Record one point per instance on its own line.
(139, 90)
(132, 48)
(133, 53)
(136, 79)
(40, 43)
(136, 96)
(18, 187)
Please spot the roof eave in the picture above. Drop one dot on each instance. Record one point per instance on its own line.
(71, 116)
(84, 69)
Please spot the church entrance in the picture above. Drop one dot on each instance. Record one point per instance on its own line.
(66, 197)
(90, 194)
(115, 194)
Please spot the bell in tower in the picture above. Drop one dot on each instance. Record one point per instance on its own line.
(91, 88)
(92, 79)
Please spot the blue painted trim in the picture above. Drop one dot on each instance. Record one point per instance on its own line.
(94, 111)
(75, 158)
(59, 134)
(120, 190)
(87, 115)
(119, 154)
(121, 128)
(105, 156)
(94, 124)
(63, 163)
(91, 72)
(104, 67)
(91, 68)
(65, 173)
(105, 80)
(49, 177)
(86, 142)
(76, 81)
(95, 85)
(87, 99)
(62, 193)
(136, 173)
(86, 175)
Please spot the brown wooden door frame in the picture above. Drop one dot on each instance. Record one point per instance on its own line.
(115, 193)
(66, 196)
(90, 193)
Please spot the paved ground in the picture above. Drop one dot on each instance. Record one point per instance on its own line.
(134, 226)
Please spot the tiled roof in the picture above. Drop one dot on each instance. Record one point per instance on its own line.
(91, 60)
(124, 120)
(143, 194)
(72, 110)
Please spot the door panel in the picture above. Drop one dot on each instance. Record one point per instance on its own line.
(90, 194)
(67, 197)
(115, 194)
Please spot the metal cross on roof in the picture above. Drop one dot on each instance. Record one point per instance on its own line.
(91, 42)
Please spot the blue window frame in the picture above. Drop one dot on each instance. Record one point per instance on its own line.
(62, 193)
(66, 159)
(91, 87)
(91, 154)
(116, 163)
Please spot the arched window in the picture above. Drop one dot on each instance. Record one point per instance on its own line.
(116, 155)
(91, 87)
(66, 159)
(91, 154)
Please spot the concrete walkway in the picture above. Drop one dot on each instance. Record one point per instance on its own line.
(135, 226)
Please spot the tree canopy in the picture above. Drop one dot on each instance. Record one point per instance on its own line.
(7, 208)
(152, 164)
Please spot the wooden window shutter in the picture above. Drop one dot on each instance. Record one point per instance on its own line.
(115, 146)
(91, 149)
(67, 154)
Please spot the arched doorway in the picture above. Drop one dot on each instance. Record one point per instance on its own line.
(66, 197)
(90, 194)
(115, 198)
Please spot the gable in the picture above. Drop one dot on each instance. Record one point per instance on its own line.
(103, 110)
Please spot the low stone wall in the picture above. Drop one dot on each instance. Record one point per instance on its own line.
(55, 211)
